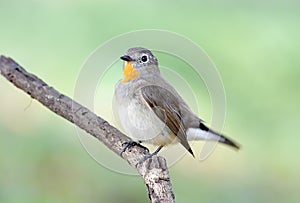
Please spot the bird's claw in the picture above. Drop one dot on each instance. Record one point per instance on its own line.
(148, 156)
(131, 143)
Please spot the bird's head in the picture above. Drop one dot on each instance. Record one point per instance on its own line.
(139, 62)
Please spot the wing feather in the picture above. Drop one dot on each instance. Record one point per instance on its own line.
(166, 106)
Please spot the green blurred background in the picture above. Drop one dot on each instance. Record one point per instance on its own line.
(255, 46)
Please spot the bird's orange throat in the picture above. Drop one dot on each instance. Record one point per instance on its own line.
(129, 73)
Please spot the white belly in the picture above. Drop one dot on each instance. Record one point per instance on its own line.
(140, 122)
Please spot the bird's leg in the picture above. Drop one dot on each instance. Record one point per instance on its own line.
(156, 151)
(131, 143)
(149, 155)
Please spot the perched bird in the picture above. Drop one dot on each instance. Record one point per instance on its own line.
(151, 110)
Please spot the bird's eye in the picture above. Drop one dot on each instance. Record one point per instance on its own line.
(144, 58)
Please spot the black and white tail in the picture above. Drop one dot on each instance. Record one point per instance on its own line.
(204, 133)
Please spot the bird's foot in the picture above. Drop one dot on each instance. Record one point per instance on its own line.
(148, 156)
(131, 143)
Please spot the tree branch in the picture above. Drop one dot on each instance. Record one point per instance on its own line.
(154, 170)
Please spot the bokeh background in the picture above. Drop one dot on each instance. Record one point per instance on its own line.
(255, 46)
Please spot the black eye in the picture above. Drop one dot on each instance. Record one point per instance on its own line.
(144, 58)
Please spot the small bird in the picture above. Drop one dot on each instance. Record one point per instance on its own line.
(150, 110)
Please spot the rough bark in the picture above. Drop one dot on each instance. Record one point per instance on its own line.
(154, 170)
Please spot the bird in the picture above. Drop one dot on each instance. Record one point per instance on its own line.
(151, 111)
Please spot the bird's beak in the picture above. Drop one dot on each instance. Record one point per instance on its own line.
(126, 58)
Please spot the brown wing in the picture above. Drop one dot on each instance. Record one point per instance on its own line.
(166, 107)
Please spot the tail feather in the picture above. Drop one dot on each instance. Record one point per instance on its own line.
(229, 142)
(204, 133)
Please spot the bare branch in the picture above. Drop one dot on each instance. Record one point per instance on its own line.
(154, 170)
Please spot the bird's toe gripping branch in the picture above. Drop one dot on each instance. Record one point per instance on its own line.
(132, 143)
